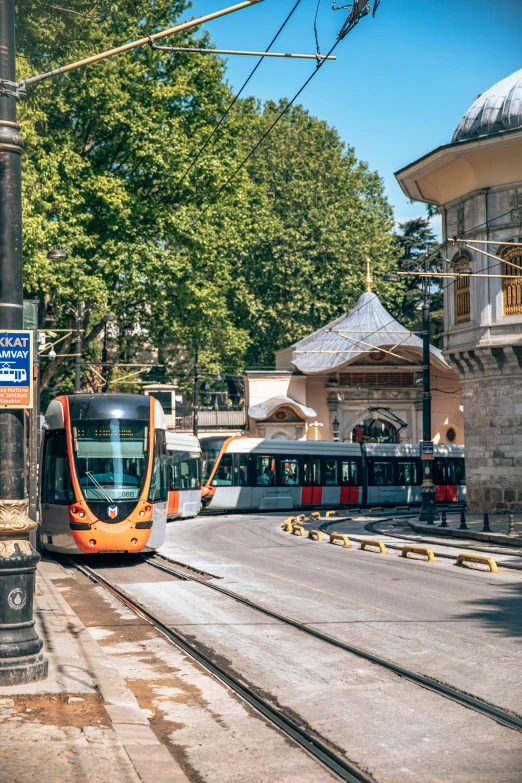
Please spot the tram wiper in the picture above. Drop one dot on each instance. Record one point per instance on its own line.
(97, 484)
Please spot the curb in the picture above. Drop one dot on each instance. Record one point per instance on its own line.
(492, 538)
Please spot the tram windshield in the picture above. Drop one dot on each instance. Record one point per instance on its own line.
(111, 458)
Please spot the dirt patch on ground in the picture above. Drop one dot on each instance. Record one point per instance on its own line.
(62, 709)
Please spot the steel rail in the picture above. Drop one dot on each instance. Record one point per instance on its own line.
(308, 741)
(448, 691)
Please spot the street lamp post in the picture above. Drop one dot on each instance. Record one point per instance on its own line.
(21, 659)
(195, 401)
(427, 489)
(109, 318)
(427, 513)
(78, 349)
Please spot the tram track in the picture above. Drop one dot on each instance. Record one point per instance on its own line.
(307, 740)
(461, 697)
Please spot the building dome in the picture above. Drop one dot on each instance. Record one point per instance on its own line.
(498, 109)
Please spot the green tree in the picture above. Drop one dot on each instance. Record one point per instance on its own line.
(321, 214)
(412, 240)
(280, 252)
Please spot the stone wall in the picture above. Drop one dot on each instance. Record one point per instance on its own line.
(493, 430)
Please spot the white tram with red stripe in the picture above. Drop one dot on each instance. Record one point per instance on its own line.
(252, 473)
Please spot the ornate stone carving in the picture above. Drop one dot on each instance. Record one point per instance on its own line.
(14, 526)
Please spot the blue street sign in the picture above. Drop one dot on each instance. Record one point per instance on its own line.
(16, 369)
(427, 449)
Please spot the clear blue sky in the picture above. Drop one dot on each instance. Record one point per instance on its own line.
(401, 81)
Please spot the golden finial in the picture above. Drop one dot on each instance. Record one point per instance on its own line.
(368, 282)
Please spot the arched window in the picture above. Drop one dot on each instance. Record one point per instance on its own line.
(512, 285)
(462, 300)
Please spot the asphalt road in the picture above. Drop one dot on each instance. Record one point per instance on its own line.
(458, 626)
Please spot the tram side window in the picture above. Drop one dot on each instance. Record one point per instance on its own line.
(224, 472)
(184, 471)
(382, 472)
(56, 478)
(349, 472)
(288, 471)
(455, 471)
(265, 471)
(158, 484)
(407, 473)
(242, 475)
(312, 471)
(330, 472)
(439, 471)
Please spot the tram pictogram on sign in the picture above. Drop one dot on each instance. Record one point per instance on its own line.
(16, 364)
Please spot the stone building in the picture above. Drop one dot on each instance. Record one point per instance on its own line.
(355, 379)
(476, 182)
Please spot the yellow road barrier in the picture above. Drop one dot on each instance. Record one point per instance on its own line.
(371, 542)
(354, 510)
(300, 518)
(299, 529)
(315, 535)
(375, 508)
(315, 515)
(339, 537)
(331, 514)
(401, 508)
(288, 524)
(419, 550)
(462, 558)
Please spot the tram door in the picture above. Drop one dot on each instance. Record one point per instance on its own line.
(312, 489)
(350, 481)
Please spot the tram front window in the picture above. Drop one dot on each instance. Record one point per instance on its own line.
(111, 458)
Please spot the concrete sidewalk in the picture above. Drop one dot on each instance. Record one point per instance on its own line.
(499, 524)
(82, 724)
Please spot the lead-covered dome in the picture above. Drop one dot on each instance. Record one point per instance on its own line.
(498, 109)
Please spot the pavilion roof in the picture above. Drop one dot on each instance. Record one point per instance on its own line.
(369, 326)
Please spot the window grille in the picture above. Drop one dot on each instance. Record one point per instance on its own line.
(512, 285)
(462, 299)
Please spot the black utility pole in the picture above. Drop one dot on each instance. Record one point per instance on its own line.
(427, 490)
(78, 349)
(21, 659)
(195, 402)
(106, 370)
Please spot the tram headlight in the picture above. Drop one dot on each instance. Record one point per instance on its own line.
(134, 541)
(148, 508)
(142, 513)
(74, 510)
(92, 542)
(81, 514)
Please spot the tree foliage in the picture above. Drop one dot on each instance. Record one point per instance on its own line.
(280, 252)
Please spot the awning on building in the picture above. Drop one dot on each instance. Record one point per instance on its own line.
(266, 408)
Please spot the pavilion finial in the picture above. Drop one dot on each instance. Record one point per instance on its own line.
(368, 282)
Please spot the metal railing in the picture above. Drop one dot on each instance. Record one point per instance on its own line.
(211, 419)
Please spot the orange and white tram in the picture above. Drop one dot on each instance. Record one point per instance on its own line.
(251, 473)
(103, 481)
(184, 456)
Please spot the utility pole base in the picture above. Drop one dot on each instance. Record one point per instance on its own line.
(21, 659)
(23, 670)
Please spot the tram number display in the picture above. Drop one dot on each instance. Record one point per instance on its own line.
(16, 369)
(427, 449)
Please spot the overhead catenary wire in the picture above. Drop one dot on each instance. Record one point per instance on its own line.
(245, 160)
(163, 205)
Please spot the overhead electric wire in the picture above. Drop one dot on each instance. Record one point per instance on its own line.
(258, 144)
(219, 123)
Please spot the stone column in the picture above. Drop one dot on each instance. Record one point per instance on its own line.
(491, 379)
